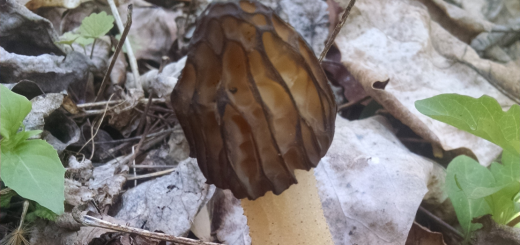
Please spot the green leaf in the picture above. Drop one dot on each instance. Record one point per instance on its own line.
(96, 25)
(463, 175)
(68, 38)
(5, 199)
(35, 172)
(84, 41)
(44, 213)
(13, 108)
(482, 117)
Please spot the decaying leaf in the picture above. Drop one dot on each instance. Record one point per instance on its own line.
(402, 44)
(42, 106)
(420, 235)
(107, 181)
(371, 185)
(493, 233)
(228, 222)
(24, 32)
(168, 203)
(52, 73)
(161, 84)
(153, 30)
(253, 100)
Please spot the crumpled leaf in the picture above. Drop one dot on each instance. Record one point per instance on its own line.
(402, 44)
(24, 32)
(493, 233)
(107, 181)
(420, 235)
(228, 222)
(153, 30)
(52, 73)
(42, 106)
(168, 203)
(162, 84)
(60, 130)
(371, 185)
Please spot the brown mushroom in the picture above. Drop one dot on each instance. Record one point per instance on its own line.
(253, 100)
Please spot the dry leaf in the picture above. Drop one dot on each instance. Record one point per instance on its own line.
(420, 235)
(492, 233)
(228, 222)
(169, 203)
(371, 185)
(402, 44)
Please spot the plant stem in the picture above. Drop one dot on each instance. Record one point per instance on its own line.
(92, 50)
(129, 50)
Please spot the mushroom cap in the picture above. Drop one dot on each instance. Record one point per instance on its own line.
(253, 100)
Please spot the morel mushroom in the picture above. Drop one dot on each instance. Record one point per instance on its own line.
(252, 100)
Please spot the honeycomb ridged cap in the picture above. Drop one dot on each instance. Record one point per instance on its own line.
(253, 100)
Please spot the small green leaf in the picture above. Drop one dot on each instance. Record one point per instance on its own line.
(68, 38)
(44, 213)
(13, 108)
(35, 172)
(5, 199)
(84, 41)
(470, 174)
(482, 117)
(96, 25)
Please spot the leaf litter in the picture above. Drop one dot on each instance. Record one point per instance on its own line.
(369, 194)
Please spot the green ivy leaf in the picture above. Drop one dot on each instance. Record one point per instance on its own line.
(35, 172)
(96, 25)
(13, 108)
(482, 117)
(463, 175)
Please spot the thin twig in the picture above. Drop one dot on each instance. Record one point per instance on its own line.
(95, 222)
(441, 222)
(97, 130)
(102, 103)
(336, 30)
(351, 103)
(156, 174)
(514, 222)
(152, 166)
(139, 137)
(129, 50)
(118, 48)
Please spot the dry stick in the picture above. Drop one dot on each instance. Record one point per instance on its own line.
(95, 222)
(143, 120)
(156, 174)
(102, 103)
(514, 222)
(441, 222)
(170, 130)
(338, 27)
(129, 50)
(118, 49)
(354, 102)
